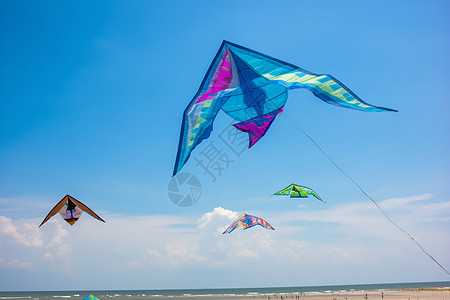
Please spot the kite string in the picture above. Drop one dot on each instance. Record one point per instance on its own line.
(365, 193)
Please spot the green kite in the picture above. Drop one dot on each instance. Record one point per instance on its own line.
(298, 191)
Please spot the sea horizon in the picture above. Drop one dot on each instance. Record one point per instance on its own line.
(223, 293)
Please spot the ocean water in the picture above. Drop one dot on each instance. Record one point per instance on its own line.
(215, 294)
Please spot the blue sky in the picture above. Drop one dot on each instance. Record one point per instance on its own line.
(92, 95)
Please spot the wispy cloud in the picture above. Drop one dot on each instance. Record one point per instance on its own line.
(16, 264)
(400, 202)
(8, 205)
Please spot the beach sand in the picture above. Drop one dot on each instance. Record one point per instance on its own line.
(410, 294)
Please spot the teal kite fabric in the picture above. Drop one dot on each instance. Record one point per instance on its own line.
(91, 297)
(251, 88)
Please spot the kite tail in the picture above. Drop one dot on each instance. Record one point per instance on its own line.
(366, 194)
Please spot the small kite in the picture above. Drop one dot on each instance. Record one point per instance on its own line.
(91, 297)
(297, 191)
(252, 88)
(247, 221)
(70, 209)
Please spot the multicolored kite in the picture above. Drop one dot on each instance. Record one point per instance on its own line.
(297, 191)
(70, 209)
(251, 88)
(247, 221)
(91, 297)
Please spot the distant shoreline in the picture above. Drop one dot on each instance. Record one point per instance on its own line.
(400, 294)
(389, 291)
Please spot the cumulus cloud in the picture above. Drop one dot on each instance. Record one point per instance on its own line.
(151, 248)
(352, 223)
(218, 212)
(27, 235)
(25, 246)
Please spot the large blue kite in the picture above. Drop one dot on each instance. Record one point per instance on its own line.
(251, 88)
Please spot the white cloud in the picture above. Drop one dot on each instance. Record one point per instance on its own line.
(23, 205)
(25, 246)
(27, 235)
(16, 264)
(183, 253)
(400, 202)
(218, 212)
(47, 256)
(157, 247)
(154, 253)
(135, 264)
(364, 218)
(244, 252)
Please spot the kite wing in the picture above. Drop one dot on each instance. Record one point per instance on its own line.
(247, 221)
(298, 191)
(70, 210)
(251, 88)
(55, 210)
(86, 209)
(200, 113)
(286, 191)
